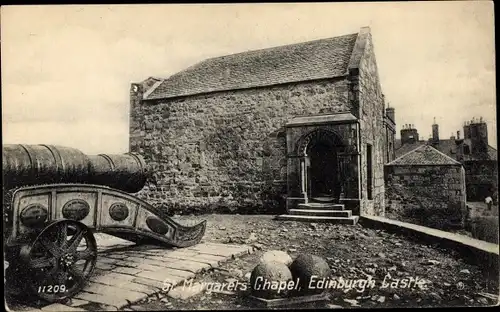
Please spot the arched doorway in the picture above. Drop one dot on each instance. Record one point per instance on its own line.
(323, 170)
(320, 166)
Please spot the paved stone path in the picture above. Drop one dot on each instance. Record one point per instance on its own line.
(125, 274)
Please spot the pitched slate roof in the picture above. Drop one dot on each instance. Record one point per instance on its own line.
(400, 150)
(423, 155)
(318, 59)
(446, 146)
(492, 155)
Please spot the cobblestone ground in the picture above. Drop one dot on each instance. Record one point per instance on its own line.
(353, 252)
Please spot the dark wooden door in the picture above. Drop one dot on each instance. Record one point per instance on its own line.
(323, 172)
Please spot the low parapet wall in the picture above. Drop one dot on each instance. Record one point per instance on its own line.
(481, 253)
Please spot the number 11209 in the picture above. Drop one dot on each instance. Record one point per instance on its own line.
(52, 289)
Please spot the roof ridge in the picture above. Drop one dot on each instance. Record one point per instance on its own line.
(443, 154)
(152, 89)
(429, 148)
(411, 151)
(299, 61)
(278, 46)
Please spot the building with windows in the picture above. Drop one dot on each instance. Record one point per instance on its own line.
(472, 150)
(261, 131)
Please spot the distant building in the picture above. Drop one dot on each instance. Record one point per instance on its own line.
(426, 187)
(472, 151)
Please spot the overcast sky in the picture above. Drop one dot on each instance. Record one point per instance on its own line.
(67, 70)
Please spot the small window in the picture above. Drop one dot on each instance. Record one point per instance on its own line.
(369, 169)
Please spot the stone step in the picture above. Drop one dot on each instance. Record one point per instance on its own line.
(323, 199)
(321, 212)
(333, 220)
(323, 206)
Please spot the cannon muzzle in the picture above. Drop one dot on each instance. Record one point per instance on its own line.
(25, 165)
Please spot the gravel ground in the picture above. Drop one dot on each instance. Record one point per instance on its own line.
(353, 252)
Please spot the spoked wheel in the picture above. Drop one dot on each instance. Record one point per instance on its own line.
(60, 260)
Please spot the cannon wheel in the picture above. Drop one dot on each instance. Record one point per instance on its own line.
(60, 260)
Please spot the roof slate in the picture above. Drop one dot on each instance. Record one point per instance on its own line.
(447, 146)
(424, 155)
(318, 59)
(405, 148)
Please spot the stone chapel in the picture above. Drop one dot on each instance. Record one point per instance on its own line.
(268, 130)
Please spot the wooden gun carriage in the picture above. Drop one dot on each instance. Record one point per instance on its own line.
(56, 198)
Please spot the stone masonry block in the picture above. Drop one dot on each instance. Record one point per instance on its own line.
(104, 266)
(107, 260)
(150, 261)
(118, 293)
(149, 282)
(190, 266)
(57, 307)
(76, 302)
(162, 276)
(126, 263)
(126, 270)
(112, 301)
(126, 284)
(219, 251)
(212, 263)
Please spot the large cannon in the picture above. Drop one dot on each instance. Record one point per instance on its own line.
(46, 164)
(56, 197)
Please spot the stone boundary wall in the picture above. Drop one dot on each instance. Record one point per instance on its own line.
(432, 195)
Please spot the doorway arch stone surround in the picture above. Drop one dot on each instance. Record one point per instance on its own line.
(341, 133)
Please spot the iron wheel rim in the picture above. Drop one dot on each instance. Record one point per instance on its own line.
(58, 266)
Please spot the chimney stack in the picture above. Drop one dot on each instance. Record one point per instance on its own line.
(458, 135)
(389, 111)
(478, 134)
(435, 132)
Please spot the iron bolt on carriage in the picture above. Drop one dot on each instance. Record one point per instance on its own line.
(56, 198)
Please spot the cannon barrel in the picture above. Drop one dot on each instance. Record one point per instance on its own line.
(45, 164)
(127, 172)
